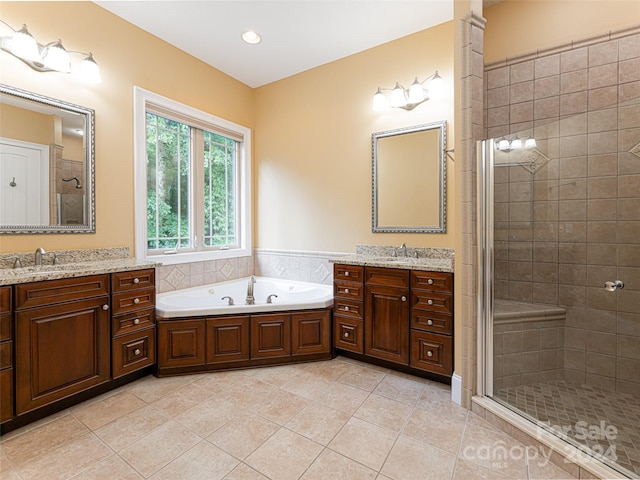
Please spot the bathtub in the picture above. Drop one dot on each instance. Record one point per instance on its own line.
(208, 299)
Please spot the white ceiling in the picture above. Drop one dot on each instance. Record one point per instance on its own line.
(296, 34)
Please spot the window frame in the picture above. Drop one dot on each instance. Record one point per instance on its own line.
(143, 99)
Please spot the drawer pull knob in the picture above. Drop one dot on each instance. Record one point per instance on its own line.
(137, 351)
(137, 321)
(430, 281)
(105, 307)
(136, 301)
(430, 302)
(429, 353)
(346, 334)
(346, 309)
(429, 322)
(346, 274)
(136, 280)
(346, 290)
(403, 298)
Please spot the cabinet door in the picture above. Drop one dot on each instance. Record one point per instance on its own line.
(133, 351)
(181, 343)
(227, 339)
(6, 395)
(386, 327)
(348, 333)
(270, 336)
(432, 352)
(310, 332)
(60, 350)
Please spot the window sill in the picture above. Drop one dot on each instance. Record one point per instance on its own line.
(189, 257)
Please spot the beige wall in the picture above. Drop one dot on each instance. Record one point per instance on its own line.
(523, 26)
(127, 56)
(313, 145)
(26, 125)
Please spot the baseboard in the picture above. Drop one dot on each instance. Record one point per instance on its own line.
(456, 388)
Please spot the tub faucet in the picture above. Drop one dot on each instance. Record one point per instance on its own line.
(38, 260)
(250, 300)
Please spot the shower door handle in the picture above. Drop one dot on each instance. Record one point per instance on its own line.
(613, 286)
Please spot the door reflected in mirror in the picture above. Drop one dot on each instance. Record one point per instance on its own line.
(409, 179)
(46, 164)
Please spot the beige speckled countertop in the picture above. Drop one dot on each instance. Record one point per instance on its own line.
(52, 272)
(409, 263)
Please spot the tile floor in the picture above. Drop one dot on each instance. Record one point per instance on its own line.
(605, 421)
(338, 419)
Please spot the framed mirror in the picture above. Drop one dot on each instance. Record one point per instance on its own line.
(410, 179)
(47, 173)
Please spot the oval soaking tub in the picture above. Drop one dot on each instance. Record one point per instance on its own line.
(214, 299)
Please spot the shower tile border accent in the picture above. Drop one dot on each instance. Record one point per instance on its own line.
(565, 47)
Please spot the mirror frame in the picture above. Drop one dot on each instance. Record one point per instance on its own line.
(89, 135)
(441, 158)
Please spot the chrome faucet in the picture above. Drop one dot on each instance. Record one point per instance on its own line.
(403, 248)
(250, 300)
(38, 260)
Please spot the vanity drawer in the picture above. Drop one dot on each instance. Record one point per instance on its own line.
(348, 333)
(133, 321)
(5, 327)
(37, 294)
(433, 281)
(432, 301)
(134, 300)
(133, 351)
(351, 308)
(432, 352)
(387, 277)
(352, 273)
(432, 321)
(6, 355)
(5, 299)
(136, 279)
(353, 291)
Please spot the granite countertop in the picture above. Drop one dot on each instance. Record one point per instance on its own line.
(407, 263)
(11, 276)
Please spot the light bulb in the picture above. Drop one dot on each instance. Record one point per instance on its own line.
(57, 58)
(530, 143)
(398, 97)
(89, 70)
(379, 101)
(251, 37)
(24, 45)
(436, 84)
(516, 143)
(416, 92)
(503, 144)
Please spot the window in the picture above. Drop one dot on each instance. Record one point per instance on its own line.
(192, 183)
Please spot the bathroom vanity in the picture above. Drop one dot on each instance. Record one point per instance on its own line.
(396, 312)
(70, 332)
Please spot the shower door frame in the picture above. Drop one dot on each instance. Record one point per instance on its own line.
(485, 271)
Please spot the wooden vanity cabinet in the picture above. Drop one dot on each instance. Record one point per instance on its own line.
(432, 322)
(348, 307)
(133, 328)
(6, 355)
(62, 339)
(188, 345)
(406, 318)
(386, 318)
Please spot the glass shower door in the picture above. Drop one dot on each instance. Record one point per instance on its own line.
(559, 278)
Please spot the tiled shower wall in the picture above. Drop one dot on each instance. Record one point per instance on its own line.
(568, 215)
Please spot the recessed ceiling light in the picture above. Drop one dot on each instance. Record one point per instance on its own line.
(251, 37)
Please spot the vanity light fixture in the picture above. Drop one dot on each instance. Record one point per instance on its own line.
(409, 99)
(51, 57)
(506, 145)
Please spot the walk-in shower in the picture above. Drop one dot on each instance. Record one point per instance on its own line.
(559, 229)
